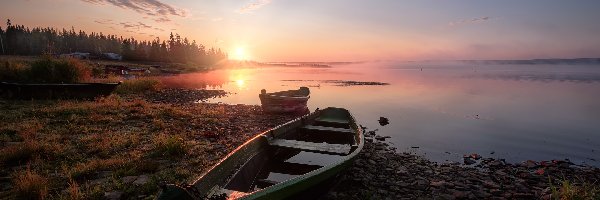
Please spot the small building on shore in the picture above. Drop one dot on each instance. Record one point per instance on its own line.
(112, 56)
(78, 55)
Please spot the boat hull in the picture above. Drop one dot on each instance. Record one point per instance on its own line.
(56, 91)
(227, 175)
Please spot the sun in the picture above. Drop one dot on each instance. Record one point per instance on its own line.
(239, 54)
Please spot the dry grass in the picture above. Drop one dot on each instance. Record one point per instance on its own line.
(74, 191)
(30, 185)
(45, 70)
(83, 149)
(169, 145)
(90, 168)
(569, 190)
(137, 86)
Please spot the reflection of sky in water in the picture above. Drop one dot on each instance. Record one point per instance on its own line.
(536, 112)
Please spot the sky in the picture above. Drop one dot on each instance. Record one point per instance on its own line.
(338, 30)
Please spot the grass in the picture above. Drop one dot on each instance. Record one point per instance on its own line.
(138, 86)
(568, 190)
(20, 154)
(169, 145)
(81, 149)
(30, 185)
(45, 70)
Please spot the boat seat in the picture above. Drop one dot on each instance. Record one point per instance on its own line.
(326, 128)
(338, 149)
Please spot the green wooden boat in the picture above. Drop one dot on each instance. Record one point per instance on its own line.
(282, 162)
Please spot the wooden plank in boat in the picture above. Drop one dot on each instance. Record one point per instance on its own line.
(341, 149)
(325, 128)
(292, 168)
(333, 120)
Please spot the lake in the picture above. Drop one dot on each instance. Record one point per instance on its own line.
(445, 110)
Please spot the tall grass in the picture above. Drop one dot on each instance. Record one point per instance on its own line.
(569, 190)
(30, 185)
(169, 145)
(45, 70)
(137, 86)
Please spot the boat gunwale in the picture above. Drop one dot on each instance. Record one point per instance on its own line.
(263, 134)
(323, 169)
(294, 180)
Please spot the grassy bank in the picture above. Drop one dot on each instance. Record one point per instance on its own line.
(112, 146)
(45, 70)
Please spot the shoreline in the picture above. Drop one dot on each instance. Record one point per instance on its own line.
(125, 146)
(382, 173)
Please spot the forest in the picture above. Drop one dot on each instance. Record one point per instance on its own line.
(21, 40)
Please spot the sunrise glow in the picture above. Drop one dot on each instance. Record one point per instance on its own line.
(349, 31)
(239, 54)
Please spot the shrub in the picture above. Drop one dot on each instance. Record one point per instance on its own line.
(30, 185)
(45, 70)
(68, 70)
(13, 71)
(137, 86)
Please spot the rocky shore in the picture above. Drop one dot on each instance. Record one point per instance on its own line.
(380, 172)
(177, 95)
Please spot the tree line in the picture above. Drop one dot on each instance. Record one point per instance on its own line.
(21, 40)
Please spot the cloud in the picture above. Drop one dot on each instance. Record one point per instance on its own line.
(471, 21)
(248, 8)
(216, 19)
(152, 8)
(129, 26)
(103, 21)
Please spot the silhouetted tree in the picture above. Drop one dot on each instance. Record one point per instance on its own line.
(19, 40)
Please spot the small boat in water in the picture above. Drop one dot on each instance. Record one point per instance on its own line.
(280, 163)
(285, 101)
(55, 91)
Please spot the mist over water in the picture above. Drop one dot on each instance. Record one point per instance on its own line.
(516, 112)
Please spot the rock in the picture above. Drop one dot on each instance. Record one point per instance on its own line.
(143, 179)
(372, 162)
(490, 184)
(530, 164)
(441, 183)
(475, 156)
(114, 195)
(383, 121)
(129, 179)
(459, 194)
(468, 161)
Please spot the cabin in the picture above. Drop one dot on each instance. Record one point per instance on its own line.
(78, 55)
(112, 56)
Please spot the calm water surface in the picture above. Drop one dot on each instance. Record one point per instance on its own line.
(538, 112)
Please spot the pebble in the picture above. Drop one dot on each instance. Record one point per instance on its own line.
(114, 195)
